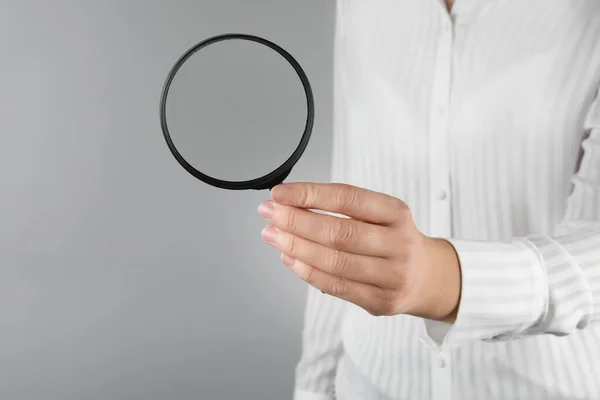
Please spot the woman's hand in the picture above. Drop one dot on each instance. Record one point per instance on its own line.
(376, 259)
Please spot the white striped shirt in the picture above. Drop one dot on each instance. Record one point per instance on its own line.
(486, 122)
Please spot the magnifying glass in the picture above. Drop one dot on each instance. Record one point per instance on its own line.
(237, 112)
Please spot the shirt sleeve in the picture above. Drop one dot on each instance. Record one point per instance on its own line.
(539, 284)
(321, 347)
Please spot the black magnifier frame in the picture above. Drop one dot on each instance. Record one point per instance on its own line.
(271, 179)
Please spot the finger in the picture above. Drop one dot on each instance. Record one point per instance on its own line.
(358, 203)
(371, 270)
(345, 234)
(374, 300)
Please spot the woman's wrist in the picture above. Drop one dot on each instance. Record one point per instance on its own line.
(442, 284)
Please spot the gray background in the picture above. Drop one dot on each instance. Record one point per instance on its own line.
(121, 276)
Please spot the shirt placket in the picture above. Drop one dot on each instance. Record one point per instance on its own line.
(440, 214)
(439, 146)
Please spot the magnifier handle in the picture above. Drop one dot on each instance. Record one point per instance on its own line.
(271, 183)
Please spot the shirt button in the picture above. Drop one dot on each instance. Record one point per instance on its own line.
(441, 362)
(442, 195)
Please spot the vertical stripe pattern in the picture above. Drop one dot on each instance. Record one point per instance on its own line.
(486, 122)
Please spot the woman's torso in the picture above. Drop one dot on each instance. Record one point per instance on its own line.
(478, 129)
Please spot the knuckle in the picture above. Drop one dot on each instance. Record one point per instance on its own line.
(402, 210)
(291, 222)
(309, 275)
(340, 194)
(306, 196)
(387, 304)
(338, 262)
(346, 194)
(342, 232)
(339, 287)
(292, 246)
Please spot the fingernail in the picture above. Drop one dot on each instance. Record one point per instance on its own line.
(269, 234)
(266, 210)
(279, 193)
(287, 260)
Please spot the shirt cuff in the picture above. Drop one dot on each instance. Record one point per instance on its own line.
(504, 292)
(303, 395)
